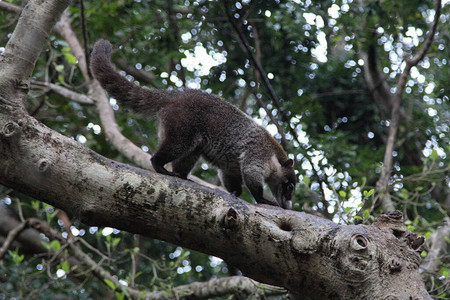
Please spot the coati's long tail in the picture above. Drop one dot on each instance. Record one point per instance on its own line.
(130, 95)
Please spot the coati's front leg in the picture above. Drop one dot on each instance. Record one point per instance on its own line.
(232, 182)
(254, 180)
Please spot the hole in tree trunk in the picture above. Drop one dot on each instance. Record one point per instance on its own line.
(286, 226)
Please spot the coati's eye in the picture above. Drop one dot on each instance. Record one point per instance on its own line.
(290, 187)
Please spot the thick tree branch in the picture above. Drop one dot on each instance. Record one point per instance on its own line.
(219, 287)
(85, 264)
(278, 246)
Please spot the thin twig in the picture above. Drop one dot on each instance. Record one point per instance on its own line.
(10, 7)
(85, 34)
(11, 237)
(248, 51)
(19, 209)
(65, 92)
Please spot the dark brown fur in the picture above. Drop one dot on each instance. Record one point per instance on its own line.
(194, 123)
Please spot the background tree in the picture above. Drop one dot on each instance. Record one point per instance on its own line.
(329, 77)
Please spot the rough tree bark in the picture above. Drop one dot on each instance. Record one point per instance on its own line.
(310, 256)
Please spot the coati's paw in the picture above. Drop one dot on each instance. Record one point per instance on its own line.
(271, 205)
(182, 176)
(165, 172)
(287, 204)
(235, 193)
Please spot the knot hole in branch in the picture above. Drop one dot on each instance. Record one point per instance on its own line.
(23, 85)
(414, 241)
(398, 233)
(231, 219)
(43, 165)
(285, 225)
(10, 129)
(359, 242)
(395, 265)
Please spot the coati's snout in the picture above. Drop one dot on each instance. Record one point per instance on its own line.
(283, 183)
(287, 192)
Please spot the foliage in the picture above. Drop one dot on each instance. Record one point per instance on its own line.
(311, 53)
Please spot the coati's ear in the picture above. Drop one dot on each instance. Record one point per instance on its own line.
(289, 163)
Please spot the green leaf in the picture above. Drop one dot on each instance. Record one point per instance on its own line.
(411, 228)
(306, 180)
(343, 194)
(50, 215)
(65, 266)
(434, 155)
(366, 213)
(120, 296)
(185, 254)
(46, 245)
(59, 68)
(115, 241)
(35, 204)
(111, 284)
(423, 253)
(71, 59)
(18, 258)
(55, 245)
(15, 256)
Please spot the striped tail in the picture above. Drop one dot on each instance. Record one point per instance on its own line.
(130, 95)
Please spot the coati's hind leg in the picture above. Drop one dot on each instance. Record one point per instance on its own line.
(159, 160)
(182, 166)
(172, 148)
(232, 182)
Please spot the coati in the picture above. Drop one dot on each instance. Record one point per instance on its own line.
(192, 123)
